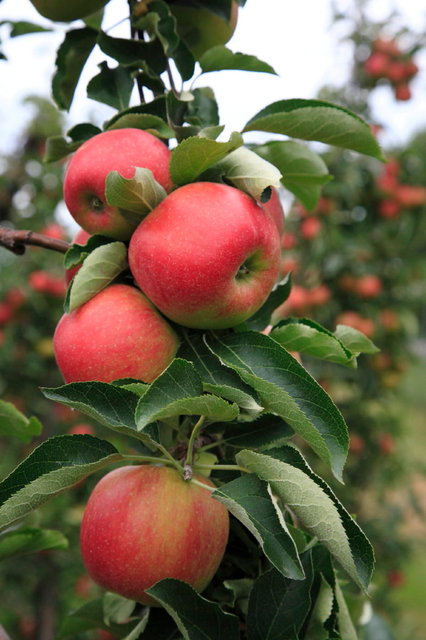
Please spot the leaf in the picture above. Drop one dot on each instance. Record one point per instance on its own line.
(134, 53)
(217, 379)
(278, 606)
(220, 58)
(346, 627)
(111, 86)
(146, 121)
(249, 500)
(286, 389)
(55, 465)
(279, 294)
(249, 172)
(58, 147)
(23, 28)
(70, 60)
(314, 503)
(317, 120)
(195, 155)
(97, 271)
(307, 336)
(156, 107)
(303, 171)
(15, 424)
(91, 616)
(203, 111)
(354, 340)
(30, 540)
(79, 252)
(178, 391)
(138, 195)
(83, 131)
(195, 617)
(265, 432)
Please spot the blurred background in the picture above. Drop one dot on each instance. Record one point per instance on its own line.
(357, 258)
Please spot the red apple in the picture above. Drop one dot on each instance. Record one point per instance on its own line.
(116, 150)
(275, 209)
(389, 208)
(310, 227)
(377, 65)
(358, 322)
(44, 282)
(145, 523)
(402, 92)
(116, 334)
(368, 286)
(82, 427)
(288, 241)
(207, 256)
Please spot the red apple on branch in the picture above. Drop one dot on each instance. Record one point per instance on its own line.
(145, 523)
(116, 150)
(116, 334)
(207, 256)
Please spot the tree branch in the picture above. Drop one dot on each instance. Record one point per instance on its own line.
(17, 241)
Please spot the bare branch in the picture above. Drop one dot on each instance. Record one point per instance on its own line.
(16, 240)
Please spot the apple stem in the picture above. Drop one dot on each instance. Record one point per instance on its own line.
(16, 240)
(171, 460)
(223, 467)
(194, 434)
(201, 484)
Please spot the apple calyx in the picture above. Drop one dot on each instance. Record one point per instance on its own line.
(96, 204)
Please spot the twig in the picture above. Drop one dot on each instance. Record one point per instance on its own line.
(16, 241)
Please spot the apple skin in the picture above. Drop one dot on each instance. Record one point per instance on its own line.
(60, 11)
(207, 256)
(145, 523)
(81, 237)
(116, 150)
(275, 209)
(201, 29)
(116, 334)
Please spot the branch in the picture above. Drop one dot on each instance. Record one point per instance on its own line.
(16, 241)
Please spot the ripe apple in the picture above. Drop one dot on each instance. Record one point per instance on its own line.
(67, 11)
(207, 256)
(377, 65)
(275, 209)
(116, 150)
(368, 286)
(358, 322)
(310, 228)
(402, 92)
(116, 334)
(145, 523)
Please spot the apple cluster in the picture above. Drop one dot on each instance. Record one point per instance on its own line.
(206, 257)
(394, 195)
(387, 61)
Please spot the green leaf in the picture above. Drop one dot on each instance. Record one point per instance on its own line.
(134, 53)
(83, 131)
(216, 378)
(15, 424)
(249, 172)
(303, 171)
(317, 120)
(79, 252)
(195, 155)
(138, 195)
(203, 111)
(156, 107)
(91, 616)
(220, 58)
(286, 389)
(346, 626)
(23, 28)
(278, 606)
(249, 500)
(179, 391)
(146, 121)
(55, 465)
(354, 340)
(314, 503)
(265, 432)
(70, 60)
(307, 336)
(279, 294)
(97, 271)
(111, 86)
(195, 617)
(30, 540)
(58, 147)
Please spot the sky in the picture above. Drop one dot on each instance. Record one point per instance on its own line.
(296, 38)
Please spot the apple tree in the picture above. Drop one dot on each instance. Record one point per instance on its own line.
(199, 252)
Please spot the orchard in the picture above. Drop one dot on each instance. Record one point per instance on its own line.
(185, 408)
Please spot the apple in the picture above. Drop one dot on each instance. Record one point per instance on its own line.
(116, 150)
(82, 427)
(61, 11)
(207, 256)
(402, 92)
(200, 28)
(275, 209)
(358, 322)
(377, 65)
(288, 241)
(44, 282)
(389, 208)
(368, 286)
(116, 334)
(145, 523)
(310, 228)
